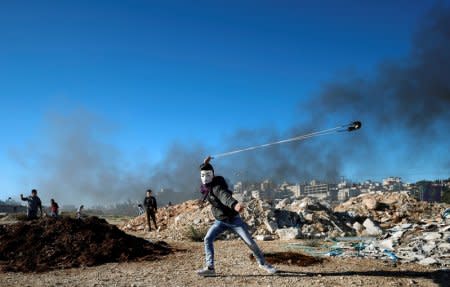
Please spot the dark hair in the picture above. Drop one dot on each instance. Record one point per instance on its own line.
(33, 191)
(149, 190)
(206, 166)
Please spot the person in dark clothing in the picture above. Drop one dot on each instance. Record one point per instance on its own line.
(150, 208)
(225, 210)
(53, 208)
(34, 202)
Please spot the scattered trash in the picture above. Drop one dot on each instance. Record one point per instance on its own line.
(391, 255)
(335, 252)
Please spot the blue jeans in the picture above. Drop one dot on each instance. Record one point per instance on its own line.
(238, 226)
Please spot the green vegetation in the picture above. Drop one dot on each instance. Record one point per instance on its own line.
(196, 235)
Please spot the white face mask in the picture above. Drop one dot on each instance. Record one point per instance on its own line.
(206, 176)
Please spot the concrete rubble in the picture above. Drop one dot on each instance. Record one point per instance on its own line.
(426, 243)
(390, 225)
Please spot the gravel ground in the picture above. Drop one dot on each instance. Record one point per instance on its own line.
(234, 268)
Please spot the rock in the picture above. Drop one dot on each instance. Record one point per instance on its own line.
(406, 226)
(427, 248)
(371, 228)
(397, 235)
(282, 204)
(308, 217)
(444, 247)
(288, 233)
(432, 236)
(428, 261)
(386, 244)
(370, 202)
(357, 227)
(271, 226)
(307, 229)
(177, 219)
(264, 237)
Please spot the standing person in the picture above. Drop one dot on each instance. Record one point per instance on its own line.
(80, 212)
(53, 208)
(225, 210)
(150, 208)
(34, 202)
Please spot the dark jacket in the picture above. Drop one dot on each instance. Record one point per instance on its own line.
(34, 202)
(221, 199)
(150, 203)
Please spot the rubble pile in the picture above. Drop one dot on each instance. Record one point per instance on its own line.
(379, 217)
(306, 218)
(424, 243)
(287, 220)
(175, 221)
(389, 208)
(50, 243)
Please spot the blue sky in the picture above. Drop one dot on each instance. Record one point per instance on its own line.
(154, 70)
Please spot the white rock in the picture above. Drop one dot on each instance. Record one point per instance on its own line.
(427, 248)
(371, 228)
(431, 236)
(288, 233)
(386, 244)
(263, 237)
(282, 204)
(406, 226)
(177, 219)
(308, 217)
(428, 261)
(444, 247)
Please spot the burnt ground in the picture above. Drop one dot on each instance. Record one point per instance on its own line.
(46, 244)
(235, 268)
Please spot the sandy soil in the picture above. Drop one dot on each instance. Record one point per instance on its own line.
(234, 268)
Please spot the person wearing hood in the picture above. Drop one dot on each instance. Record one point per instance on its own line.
(225, 210)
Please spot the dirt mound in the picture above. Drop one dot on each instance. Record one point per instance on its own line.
(290, 258)
(50, 243)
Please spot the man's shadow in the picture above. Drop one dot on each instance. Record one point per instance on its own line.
(440, 277)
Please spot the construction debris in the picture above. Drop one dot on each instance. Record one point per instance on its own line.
(392, 226)
(390, 208)
(49, 243)
(303, 218)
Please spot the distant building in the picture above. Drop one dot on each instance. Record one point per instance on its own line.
(267, 185)
(392, 183)
(295, 189)
(317, 190)
(346, 193)
(238, 187)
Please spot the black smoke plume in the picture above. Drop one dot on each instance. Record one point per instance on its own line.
(405, 110)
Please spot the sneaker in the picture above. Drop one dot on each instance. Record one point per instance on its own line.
(207, 271)
(268, 268)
